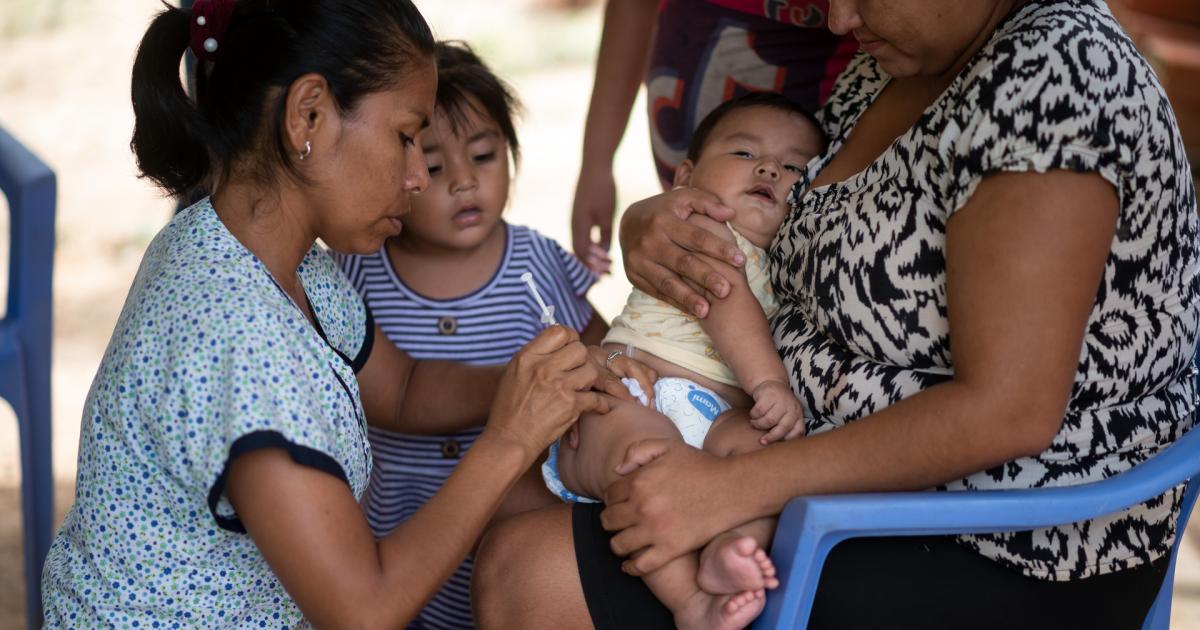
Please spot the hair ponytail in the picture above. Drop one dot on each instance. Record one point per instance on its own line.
(168, 130)
(236, 117)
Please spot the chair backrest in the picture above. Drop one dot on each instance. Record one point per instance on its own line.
(29, 185)
(25, 347)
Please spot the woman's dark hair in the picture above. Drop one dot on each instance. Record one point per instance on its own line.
(358, 46)
(465, 82)
(753, 99)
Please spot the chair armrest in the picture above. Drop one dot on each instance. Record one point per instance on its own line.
(811, 526)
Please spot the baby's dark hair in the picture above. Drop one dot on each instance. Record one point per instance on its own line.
(466, 83)
(753, 99)
(358, 46)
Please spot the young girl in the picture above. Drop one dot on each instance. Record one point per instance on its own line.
(450, 287)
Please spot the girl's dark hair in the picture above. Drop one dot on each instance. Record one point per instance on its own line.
(753, 99)
(466, 83)
(358, 46)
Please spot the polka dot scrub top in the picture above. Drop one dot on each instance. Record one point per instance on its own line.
(210, 359)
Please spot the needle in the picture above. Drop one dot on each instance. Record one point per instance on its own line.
(547, 311)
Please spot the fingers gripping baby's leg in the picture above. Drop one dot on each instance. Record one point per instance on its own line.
(603, 440)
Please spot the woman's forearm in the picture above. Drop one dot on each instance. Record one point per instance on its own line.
(942, 434)
(312, 532)
(419, 556)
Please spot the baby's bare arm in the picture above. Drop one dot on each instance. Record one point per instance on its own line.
(741, 335)
(738, 326)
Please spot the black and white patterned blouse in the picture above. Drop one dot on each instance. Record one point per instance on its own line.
(859, 266)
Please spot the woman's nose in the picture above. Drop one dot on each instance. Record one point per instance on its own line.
(416, 180)
(844, 16)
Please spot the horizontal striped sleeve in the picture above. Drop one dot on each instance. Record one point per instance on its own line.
(564, 278)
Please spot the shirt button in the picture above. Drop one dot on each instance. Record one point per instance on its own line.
(447, 325)
(451, 449)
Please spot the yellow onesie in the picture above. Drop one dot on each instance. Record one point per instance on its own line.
(656, 327)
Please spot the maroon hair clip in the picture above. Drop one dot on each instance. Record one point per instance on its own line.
(210, 20)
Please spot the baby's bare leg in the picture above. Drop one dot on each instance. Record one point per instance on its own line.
(603, 441)
(736, 560)
(590, 468)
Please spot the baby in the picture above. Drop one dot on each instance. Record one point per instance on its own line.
(748, 152)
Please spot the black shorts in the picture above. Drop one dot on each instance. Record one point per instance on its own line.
(894, 582)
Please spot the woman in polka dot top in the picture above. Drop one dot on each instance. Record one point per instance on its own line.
(224, 447)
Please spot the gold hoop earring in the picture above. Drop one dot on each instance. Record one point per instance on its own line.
(306, 151)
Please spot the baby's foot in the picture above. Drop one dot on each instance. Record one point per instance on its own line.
(720, 612)
(734, 563)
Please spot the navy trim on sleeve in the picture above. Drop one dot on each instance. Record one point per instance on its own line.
(364, 352)
(300, 454)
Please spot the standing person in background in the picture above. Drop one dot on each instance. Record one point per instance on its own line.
(694, 56)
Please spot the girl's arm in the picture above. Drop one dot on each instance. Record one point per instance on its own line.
(1024, 259)
(402, 394)
(313, 533)
(596, 329)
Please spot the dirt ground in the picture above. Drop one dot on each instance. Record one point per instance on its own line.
(64, 69)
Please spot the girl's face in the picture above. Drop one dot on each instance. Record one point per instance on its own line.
(918, 37)
(468, 182)
(369, 165)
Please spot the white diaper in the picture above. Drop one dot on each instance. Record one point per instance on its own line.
(691, 408)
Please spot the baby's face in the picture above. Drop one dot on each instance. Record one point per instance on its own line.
(751, 160)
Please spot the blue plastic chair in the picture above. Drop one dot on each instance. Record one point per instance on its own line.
(811, 526)
(25, 348)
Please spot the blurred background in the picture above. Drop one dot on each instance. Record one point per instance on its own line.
(64, 92)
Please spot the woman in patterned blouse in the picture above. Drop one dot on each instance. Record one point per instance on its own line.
(989, 280)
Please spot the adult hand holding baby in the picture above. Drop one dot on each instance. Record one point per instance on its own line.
(674, 500)
(665, 256)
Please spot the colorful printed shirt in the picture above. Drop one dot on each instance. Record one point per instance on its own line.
(860, 270)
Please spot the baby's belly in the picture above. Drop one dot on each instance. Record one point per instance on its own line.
(733, 395)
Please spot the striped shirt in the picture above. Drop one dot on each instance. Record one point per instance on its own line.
(485, 327)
